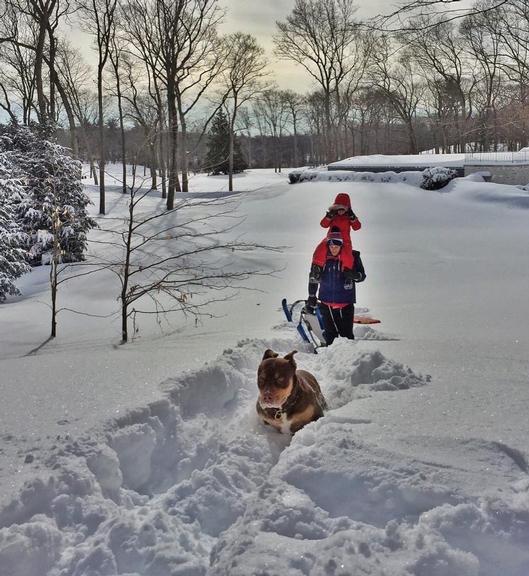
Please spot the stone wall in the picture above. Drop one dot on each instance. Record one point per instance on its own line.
(502, 173)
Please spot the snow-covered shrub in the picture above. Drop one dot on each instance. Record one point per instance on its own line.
(53, 202)
(302, 176)
(293, 177)
(437, 177)
(12, 238)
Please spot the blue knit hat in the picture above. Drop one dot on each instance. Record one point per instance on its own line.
(335, 237)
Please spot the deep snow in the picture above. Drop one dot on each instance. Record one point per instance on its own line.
(148, 459)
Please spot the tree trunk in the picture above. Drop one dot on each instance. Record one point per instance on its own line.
(126, 271)
(296, 164)
(412, 139)
(93, 171)
(230, 159)
(39, 60)
(51, 65)
(174, 183)
(161, 161)
(183, 146)
(328, 153)
(122, 130)
(74, 137)
(101, 140)
(53, 282)
(154, 180)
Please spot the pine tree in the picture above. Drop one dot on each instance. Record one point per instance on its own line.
(12, 239)
(217, 159)
(52, 189)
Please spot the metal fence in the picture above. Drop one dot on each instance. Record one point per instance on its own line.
(521, 157)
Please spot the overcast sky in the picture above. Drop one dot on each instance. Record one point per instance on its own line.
(258, 17)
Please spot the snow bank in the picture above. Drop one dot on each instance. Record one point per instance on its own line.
(193, 484)
(414, 178)
(500, 194)
(473, 187)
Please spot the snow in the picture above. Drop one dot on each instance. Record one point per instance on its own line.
(429, 159)
(415, 160)
(148, 459)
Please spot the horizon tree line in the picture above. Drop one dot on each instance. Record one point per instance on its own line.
(164, 71)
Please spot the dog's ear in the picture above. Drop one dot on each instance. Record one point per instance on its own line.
(270, 354)
(290, 357)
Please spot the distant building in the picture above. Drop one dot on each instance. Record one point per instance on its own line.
(400, 163)
(502, 167)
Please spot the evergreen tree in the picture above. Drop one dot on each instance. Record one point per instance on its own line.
(12, 239)
(217, 159)
(53, 202)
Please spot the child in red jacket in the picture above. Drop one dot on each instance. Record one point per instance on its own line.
(342, 217)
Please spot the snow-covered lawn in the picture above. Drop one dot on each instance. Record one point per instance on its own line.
(147, 459)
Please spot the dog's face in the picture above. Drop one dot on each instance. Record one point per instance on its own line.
(275, 378)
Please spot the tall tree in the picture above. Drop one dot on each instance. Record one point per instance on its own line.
(484, 42)
(101, 16)
(396, 81)
(241, 81)
(177, 40)
(323, 36)
(13, 261)
(439, 52)
(116, 55)
(274, 110)
(217, 159)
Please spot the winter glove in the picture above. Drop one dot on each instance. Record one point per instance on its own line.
(358, 277)
(351, 214)
(330, 214)
(348, 279)
(310, 304)
(315, 274)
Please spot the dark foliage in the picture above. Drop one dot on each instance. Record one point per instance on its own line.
(217, 158)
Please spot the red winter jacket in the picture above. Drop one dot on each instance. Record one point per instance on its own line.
(344, 223)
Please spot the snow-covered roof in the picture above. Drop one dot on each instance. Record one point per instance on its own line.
(399, 160)
(421, 161)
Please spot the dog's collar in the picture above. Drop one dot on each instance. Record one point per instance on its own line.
(277, 413)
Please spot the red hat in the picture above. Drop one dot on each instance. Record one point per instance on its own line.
(341, 201)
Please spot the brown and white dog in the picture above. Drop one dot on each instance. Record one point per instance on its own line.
(288, 398)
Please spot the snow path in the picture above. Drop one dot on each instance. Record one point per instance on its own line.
(155, 492)
(193, 484)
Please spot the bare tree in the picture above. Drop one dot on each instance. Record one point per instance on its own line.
(273, 108)
(397, 82)
(141, 26)
(143, 109)
(451, 10)
(75, 76)
(241, 81)
(101, 16)
(245, 125)
(294, 104)
(116, 55)
(202, 57)
(315, 114)
(443, 62)
(17, 75)
(484, 43)
(177, 40)
(321, 36)
(181, 260)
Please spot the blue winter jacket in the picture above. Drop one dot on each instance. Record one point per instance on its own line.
(332, 289)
